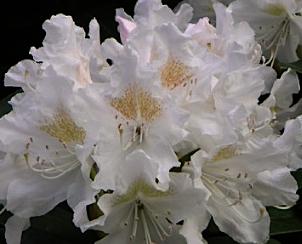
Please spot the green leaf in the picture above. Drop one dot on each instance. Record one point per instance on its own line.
(296, 66)
(285, 221)
(273, 241)
(228, 240)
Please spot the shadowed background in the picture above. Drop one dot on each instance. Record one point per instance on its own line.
(21, 24)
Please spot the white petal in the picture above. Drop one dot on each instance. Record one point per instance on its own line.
(126, 24)
(80, 195)
(33, 195)
(25, 74)
(283, 89)
(14, 228)
(277, 187)
(194, 225)
(246, 221)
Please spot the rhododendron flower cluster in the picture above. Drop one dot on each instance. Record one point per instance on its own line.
(115, 134)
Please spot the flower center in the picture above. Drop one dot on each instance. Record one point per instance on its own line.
(53, 160)
(142, 213)
(275, 9)
(274, 37)
(225, 153)
(63, 128)
(140, 188)
(175, 73)
(137, 104)
(138, 108)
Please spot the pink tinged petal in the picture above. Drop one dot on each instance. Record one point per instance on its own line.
(125, 27)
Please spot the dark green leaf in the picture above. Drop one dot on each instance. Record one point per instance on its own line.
(285, 221)
(296, 66)
(228, 240)
(273, 241)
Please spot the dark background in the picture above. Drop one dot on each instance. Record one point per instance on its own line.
(21, 24)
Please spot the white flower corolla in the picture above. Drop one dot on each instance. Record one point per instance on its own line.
(136, 114)
(277, 25)
(233, 43)
(67, 50)
(186, 61)
(149, 14)
(242, 87)
(203, 8)
(178, 62)
(25, 74)
(291, 140)
(241, 178)
(187, 71)
(239, 38)
(228, 109)
(45, 146)
(280, 100)
(282, 90)
(144, 214)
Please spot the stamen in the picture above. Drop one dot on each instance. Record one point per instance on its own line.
(135, 222)
(284, 207)
(137, 104)
(64, 129)
(141, 134)
(175, 73)
(120, 130)
(156, 223)
(224, 187)
(225, 153)
(126, 222)
(140, 187)
(52, 170)
(275, 9)
(146, 228)
(2, 210)
(272, 40)
(155, 226)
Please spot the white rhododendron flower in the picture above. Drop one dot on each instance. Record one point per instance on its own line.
(69, 52)
(143, 214)
(277, 25)
(149, 14)
(44, 146)
(281, 99)
(241, 178)
(137, 115)
(204, 8)
(149, 138)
